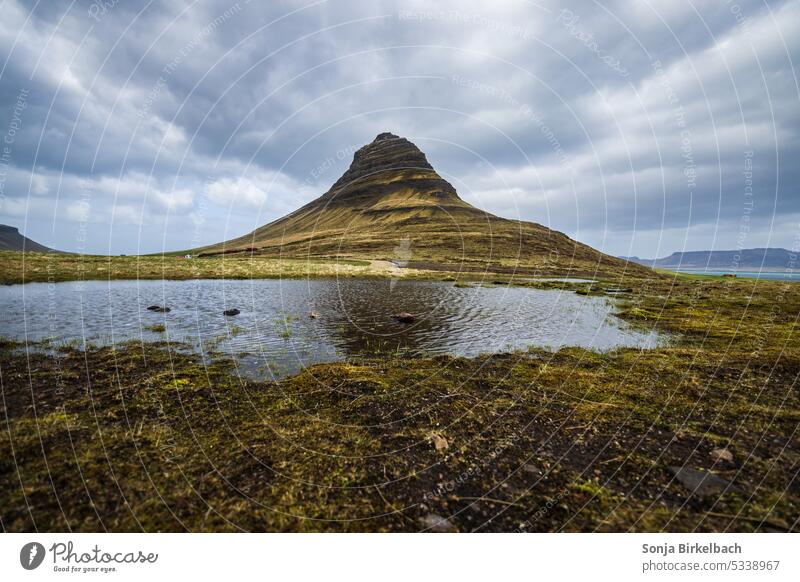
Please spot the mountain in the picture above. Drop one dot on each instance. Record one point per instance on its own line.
(392, 205)
(761, 258)
(12, 240)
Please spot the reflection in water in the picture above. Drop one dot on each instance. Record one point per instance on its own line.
(275, 335)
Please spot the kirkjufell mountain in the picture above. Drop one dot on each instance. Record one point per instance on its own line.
(392, 205)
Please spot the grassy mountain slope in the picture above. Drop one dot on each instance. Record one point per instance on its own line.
(12, 240)
(392, 205)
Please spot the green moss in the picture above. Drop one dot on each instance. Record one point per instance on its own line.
(235, 330)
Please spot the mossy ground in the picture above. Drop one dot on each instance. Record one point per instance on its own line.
(143, 437)
(17, 267)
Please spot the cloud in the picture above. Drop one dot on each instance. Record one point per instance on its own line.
(627, 124)
(247, 193)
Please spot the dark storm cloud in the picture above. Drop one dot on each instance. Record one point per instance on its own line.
(627, 125)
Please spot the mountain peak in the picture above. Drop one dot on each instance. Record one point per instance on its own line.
(389, 152)
(388, 164)
(385, 135)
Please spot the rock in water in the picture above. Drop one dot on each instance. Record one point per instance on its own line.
(404, 317)
(231, 312)
(158, 309)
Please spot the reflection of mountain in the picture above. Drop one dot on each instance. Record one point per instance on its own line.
(391, 196)
(12, 240)
(359, 321)
(764, 258)
(355, 316)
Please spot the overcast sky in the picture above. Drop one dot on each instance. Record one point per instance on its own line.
(638, 127)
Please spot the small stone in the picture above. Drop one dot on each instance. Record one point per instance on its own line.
(703, 484)
(437, 523)
(722, 455)
(528, 468)
(404, 317)
(231, 312)
(313, 315)
(439, 442)
(158, 309)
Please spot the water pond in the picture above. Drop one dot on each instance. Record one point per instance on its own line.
(285, 325)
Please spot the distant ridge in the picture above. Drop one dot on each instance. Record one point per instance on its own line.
(12, 240)
(392, 205)
(757, 258)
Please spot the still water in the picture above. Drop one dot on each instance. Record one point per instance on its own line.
(275, 335)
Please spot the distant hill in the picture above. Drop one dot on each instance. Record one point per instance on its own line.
(392, 205)
(764, 259)
(12, 240)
